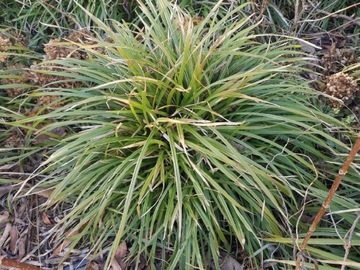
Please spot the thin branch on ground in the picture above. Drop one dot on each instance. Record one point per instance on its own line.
(264, 6)
(351, 19)
(336, 15)
(326, 204)
(12, 263)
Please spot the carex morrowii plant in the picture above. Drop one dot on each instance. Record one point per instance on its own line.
(186, 139)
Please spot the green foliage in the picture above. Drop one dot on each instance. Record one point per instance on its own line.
(44, 19)
(186, 139)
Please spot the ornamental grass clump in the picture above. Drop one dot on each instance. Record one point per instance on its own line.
(185, 139)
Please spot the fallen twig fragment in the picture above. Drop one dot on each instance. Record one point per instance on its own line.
(22, 266)
(326, 204)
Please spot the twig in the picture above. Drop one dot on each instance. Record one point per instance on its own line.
(343, 26)
(12, 263)
(326, 204)
(341, 16)
(264, 6)
(5, 233)
(336, 15)
(348, 245)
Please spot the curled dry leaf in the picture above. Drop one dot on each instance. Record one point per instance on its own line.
(67, 241)
(64, 244)
(5, 234)
(22, 248)
(118, 263)
(14, 236)
(4, 217)
(45, 219)
(21, 210)
(46, 193)
(230, 263)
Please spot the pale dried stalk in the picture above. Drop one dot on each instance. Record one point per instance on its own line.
(264, 6)
(348, 245)
(326, 204)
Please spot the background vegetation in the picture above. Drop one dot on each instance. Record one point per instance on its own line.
(188, 135)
